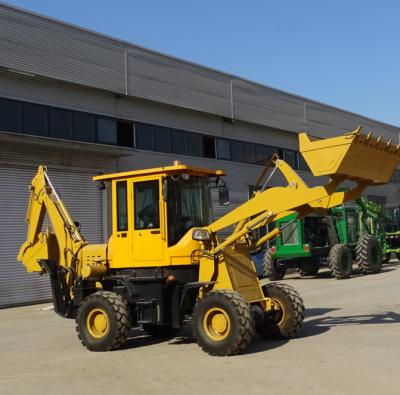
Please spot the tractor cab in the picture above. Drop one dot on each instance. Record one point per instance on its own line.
(154, 210)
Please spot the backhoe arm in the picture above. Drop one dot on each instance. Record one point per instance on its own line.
(63, 245)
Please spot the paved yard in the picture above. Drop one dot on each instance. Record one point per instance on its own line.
(350, 344)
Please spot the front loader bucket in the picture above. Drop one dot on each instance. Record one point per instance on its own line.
(354, 156)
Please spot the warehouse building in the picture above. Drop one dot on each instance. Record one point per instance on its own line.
(83, 104)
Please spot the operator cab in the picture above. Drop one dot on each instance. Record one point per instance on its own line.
(154, 209)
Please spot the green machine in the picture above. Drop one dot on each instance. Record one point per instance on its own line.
(333, 240)
(392, 232)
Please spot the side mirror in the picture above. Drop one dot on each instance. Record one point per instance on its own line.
(223, 194)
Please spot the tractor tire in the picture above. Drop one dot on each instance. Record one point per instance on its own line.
(286, 322)
(103, 321)
(270, 270)
(308, 270)
(223, 323)
(369, 255)
(161, 331)
(340, 261)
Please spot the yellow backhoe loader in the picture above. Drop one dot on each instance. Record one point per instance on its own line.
(165, 264)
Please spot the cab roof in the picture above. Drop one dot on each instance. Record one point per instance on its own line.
(175, 169)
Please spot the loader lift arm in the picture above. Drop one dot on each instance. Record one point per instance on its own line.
(341, 158)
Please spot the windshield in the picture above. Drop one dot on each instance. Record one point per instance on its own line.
(189, 205)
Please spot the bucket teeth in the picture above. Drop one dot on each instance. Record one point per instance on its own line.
(354, 156)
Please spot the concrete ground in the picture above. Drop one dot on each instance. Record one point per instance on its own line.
(350, 344)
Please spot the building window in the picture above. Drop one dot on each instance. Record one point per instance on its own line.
(194, 144)
(302, 163)
(162, 139)
(223, 149)
(249, 153)
(60, 123)
(209, 147)
(83, 126)
(261, 155)
(178, 142)
(34, 119)
(236, 151)
(125, 133)
(10, 116)
(106, 131)
(290, 157)
(144, 136)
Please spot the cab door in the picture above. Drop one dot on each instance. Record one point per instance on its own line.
(148, 236)
(122, 226)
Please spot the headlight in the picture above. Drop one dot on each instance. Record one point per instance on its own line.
(201, 234)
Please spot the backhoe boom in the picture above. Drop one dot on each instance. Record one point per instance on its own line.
(61, 246)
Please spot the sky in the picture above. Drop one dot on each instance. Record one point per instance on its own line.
(345, 53)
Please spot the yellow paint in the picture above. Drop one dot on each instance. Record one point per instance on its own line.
(97, 323)
(216, 324)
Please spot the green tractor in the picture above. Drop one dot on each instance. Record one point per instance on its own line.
(392, 232)
(333, 240)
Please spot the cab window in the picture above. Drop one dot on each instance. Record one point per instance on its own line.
(146, 203)
(122, 208)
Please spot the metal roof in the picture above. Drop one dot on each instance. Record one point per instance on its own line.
(175, 169)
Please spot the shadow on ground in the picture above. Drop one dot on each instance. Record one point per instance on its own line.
(321, 325)
(325, 273)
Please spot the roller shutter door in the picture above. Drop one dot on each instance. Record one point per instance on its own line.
(84, 202)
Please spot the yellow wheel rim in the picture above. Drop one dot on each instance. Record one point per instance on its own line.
(216, 324)
(278, 311)
(97, 323)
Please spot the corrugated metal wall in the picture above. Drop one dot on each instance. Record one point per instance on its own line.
(57, 50)
(71, 175)
(42, 46)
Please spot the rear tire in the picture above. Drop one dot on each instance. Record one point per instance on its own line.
(103, 321)
(340, 261)
(369, 255)
(223, 323)
(161, 331)
(270, 270)
(286, 322)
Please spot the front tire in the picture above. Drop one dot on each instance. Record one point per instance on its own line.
(103, 321)
(223, 323)
(369, 255)
(287, 320)
(270, 269)
(340, 261)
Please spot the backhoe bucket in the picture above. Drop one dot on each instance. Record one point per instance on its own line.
(354, 156)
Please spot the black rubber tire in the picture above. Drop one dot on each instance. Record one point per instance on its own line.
(369, 255)
(119, 321)
(241, 320)
(398, 256)
(308, 270)
(387, 257)
(272, 325)
(340, 261)
(269, 268)
(161, 331)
